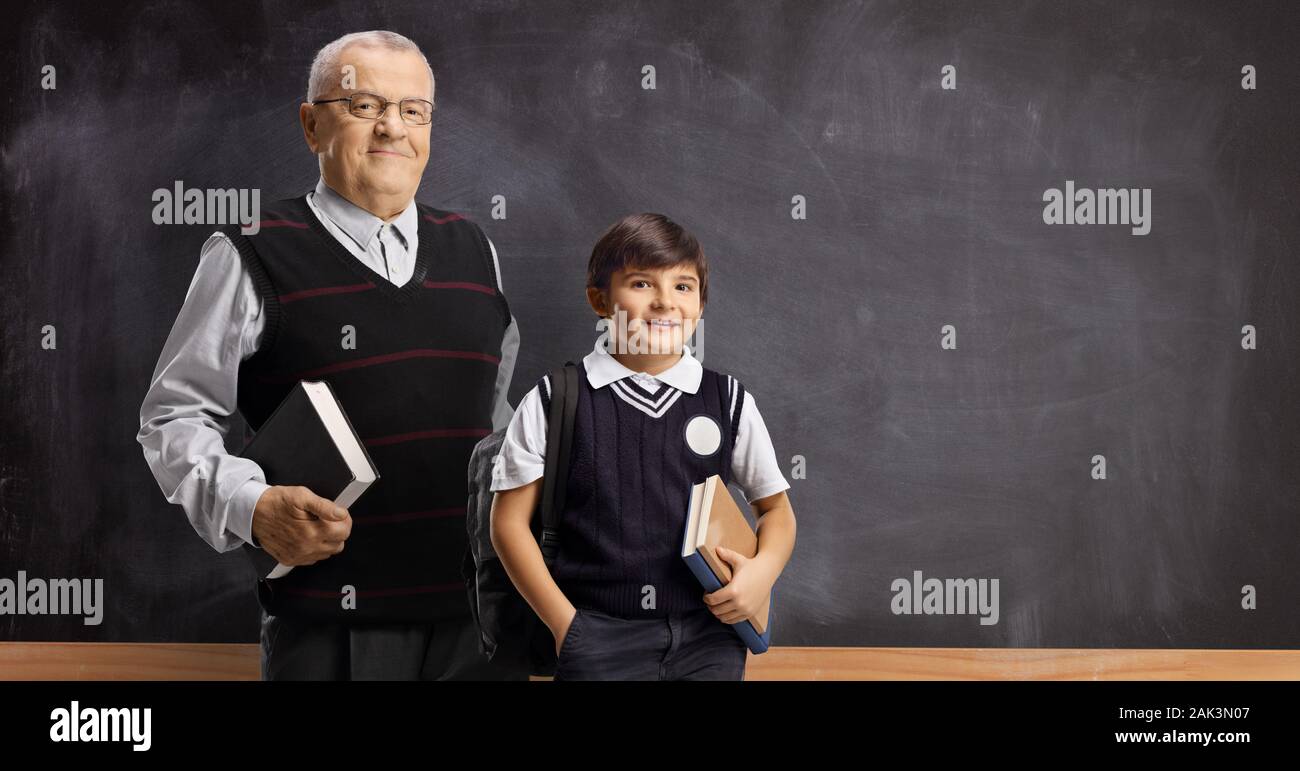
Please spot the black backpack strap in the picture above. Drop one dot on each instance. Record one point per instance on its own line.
(559, 444)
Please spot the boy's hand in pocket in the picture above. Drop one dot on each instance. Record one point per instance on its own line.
(562, 633)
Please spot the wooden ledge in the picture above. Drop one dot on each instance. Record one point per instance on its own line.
(203, 661)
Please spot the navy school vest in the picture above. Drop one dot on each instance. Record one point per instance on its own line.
(629, 488)
(418, 388)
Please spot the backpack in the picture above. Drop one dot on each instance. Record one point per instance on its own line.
(510, 633)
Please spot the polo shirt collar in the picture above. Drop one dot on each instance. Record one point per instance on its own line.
(360, 225)
(603, 369)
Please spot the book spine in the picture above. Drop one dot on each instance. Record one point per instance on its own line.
(753, 640)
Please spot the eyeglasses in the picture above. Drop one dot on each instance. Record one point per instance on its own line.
(414, 112)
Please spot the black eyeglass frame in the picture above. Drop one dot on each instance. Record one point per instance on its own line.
(382, 110)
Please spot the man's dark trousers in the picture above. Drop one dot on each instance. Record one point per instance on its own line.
(440, 650)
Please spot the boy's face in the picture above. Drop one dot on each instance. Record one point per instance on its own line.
(654, 310)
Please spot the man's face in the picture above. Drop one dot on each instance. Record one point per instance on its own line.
(662, 307)
(366, 159)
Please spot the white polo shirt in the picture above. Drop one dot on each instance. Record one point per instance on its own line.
(754, 466)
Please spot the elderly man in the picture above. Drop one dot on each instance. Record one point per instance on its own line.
(399, 306)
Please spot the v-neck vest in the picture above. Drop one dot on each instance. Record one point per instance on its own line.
(415, 369)
(635, 456)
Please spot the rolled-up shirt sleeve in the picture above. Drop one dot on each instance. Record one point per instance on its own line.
(186, 413)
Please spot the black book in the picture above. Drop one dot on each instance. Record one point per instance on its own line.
(309, 441)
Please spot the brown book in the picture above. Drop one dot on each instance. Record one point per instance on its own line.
(715, 520)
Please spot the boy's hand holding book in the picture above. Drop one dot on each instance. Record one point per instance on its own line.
(749, 590)
(721, 550)
(298, 527)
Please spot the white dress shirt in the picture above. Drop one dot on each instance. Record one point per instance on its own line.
(753, 461)
(186, 413)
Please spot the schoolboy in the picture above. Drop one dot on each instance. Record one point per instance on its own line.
(651, 422)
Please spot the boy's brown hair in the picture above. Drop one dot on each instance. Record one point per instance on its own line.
(647, 241)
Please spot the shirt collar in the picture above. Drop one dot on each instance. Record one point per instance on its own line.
(603, 369)
(359, 224)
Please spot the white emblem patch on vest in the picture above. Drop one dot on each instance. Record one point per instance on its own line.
(703, 435)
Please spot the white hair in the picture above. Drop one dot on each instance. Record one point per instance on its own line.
(326, 70)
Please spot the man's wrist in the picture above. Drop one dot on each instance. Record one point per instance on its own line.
(243, 505)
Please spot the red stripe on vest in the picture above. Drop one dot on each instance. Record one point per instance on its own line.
(444, 220)
(396, 591)
(282, 224)
(418, 353)
(460, 285)
(432, 433)
(292, 296)
(408, 516)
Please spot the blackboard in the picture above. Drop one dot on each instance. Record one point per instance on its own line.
(923, 208)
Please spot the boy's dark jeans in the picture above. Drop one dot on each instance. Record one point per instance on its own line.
(694, 645)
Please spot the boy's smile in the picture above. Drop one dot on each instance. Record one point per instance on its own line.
(652, 313)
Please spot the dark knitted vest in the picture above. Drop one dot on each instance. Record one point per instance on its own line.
(418, 389)
(629, 489)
